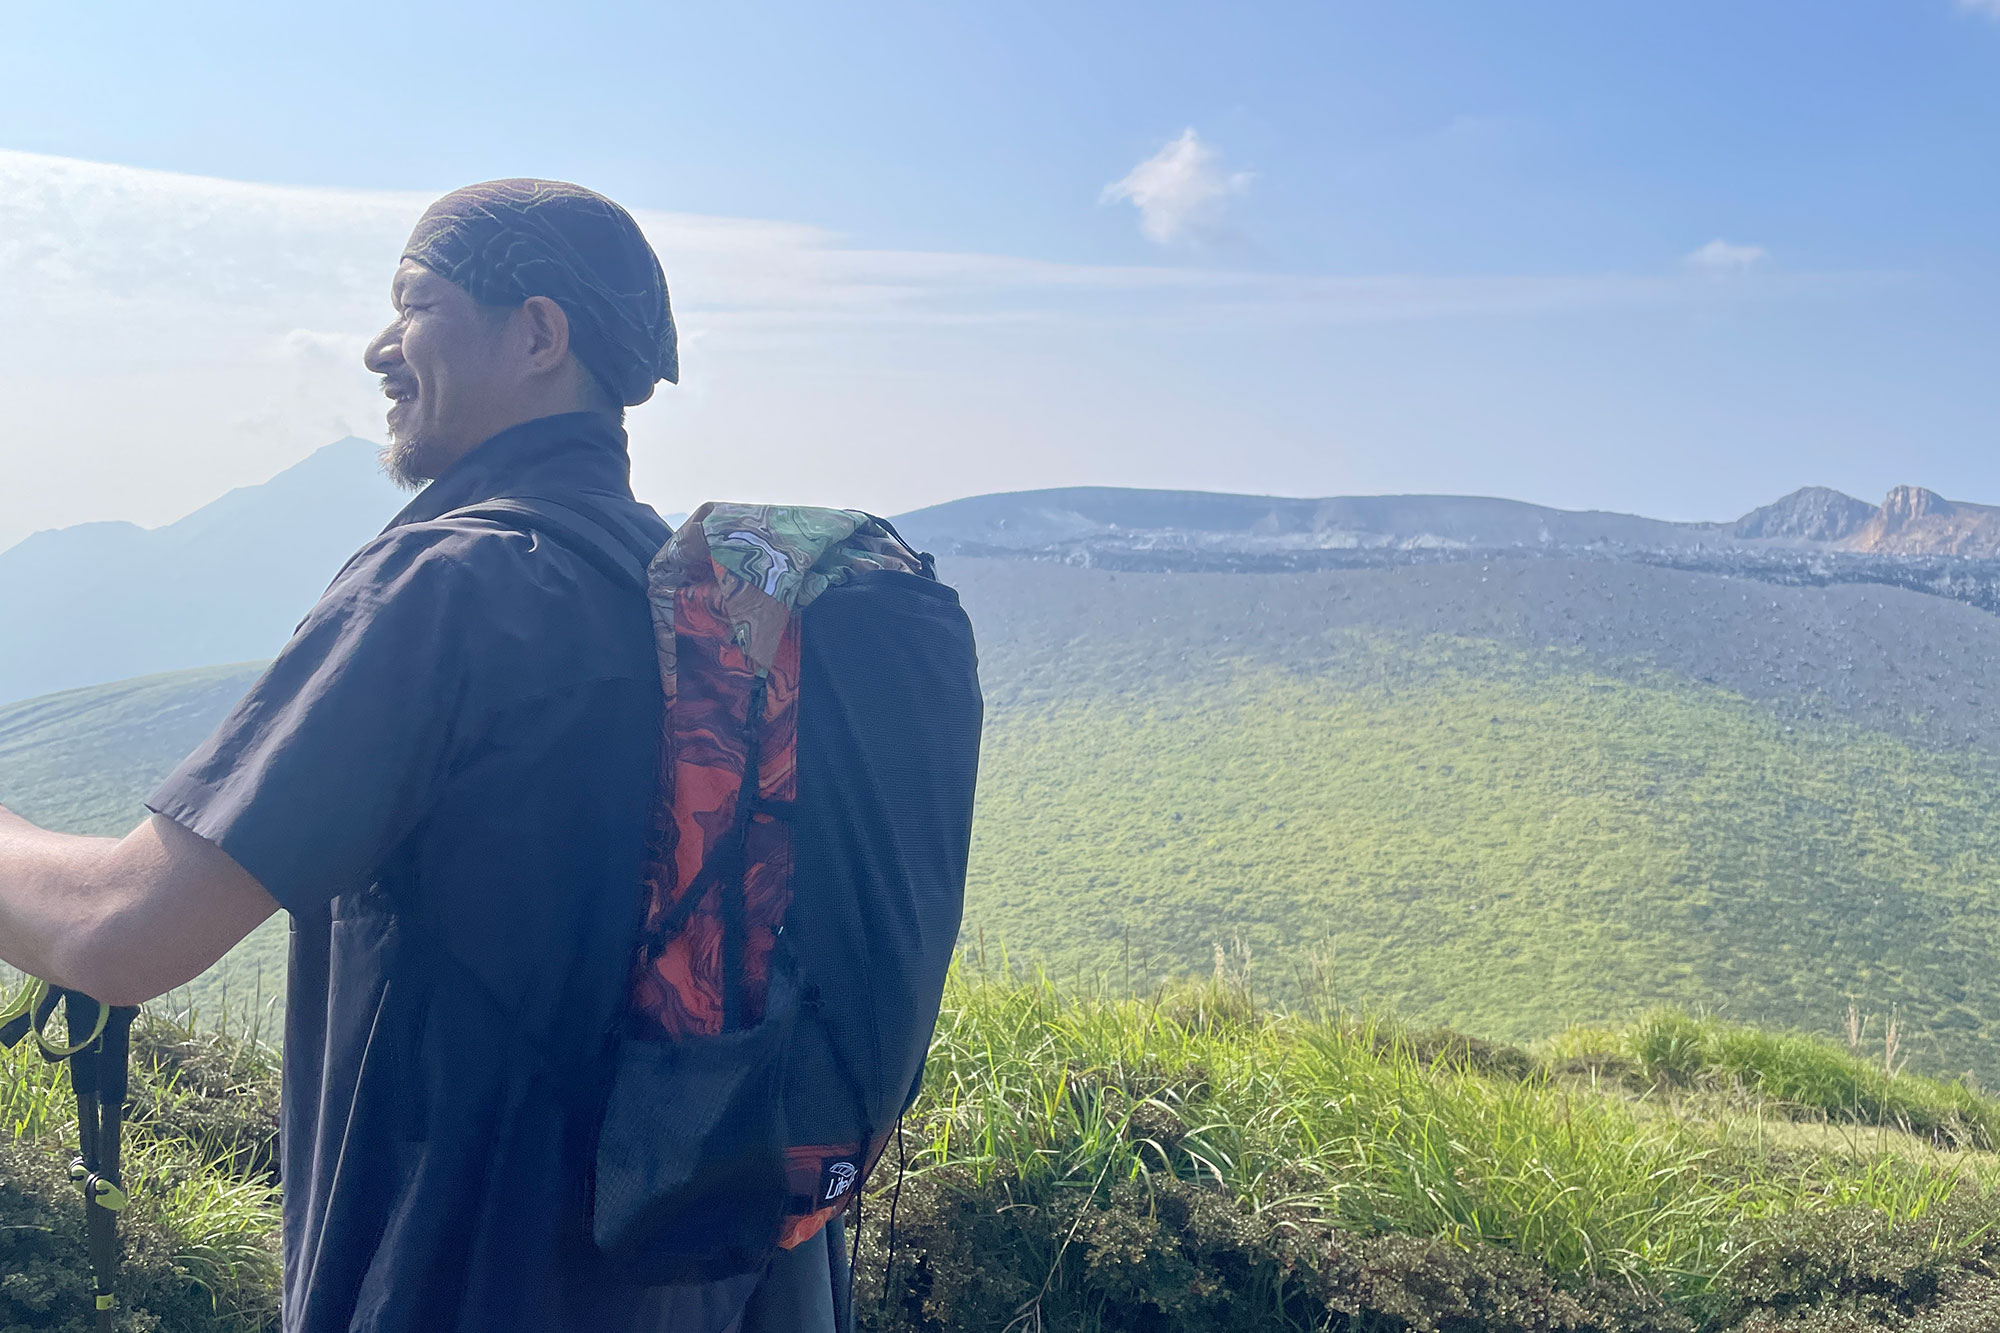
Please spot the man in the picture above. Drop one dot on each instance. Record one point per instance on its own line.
(445, 779)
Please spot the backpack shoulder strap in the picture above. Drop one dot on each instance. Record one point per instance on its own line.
(619, 555)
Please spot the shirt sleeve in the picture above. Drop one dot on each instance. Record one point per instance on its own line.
(337, 752)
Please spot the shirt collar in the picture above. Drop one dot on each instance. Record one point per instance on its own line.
(576, 451)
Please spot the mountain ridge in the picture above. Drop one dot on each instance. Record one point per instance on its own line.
(1911, 521)
(1020, 519)
(1809, 514)
(100, 602)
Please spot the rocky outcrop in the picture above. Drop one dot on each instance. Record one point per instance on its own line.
(1910, 521)
(1812, 514)
(1907, 505)
(1914, 521)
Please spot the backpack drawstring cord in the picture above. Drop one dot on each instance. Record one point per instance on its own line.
(895, 1197)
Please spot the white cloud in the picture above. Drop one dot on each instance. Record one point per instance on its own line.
(321, 345)
(1720, 256)
(1180, 191)
(181, 335)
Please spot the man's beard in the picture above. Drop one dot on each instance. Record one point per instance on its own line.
(405, 464)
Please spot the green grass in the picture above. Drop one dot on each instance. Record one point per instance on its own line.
(1503, 842)
(1787, 1073)
(1506, 841)
(1351, 1124)
(1091, 1162)
(84, 760)
(200, 1167)
(1086, 1161)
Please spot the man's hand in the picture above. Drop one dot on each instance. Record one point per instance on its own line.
(121, 919)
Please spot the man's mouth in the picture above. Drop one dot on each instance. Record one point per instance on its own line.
(398, 393)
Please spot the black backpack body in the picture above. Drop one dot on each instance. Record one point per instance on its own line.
(824, 718)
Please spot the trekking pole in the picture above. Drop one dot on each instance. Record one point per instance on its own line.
(99, 1063)
(100, 1103)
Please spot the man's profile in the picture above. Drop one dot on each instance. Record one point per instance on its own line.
(445, 779)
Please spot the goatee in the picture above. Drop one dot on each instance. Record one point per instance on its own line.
(403, 463)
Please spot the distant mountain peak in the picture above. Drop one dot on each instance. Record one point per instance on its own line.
(82, 604)
(1915, 521)
(1809, 514)
(1908, 504)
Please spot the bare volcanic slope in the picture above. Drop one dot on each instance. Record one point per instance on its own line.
(1504, 794)
(1922, 668)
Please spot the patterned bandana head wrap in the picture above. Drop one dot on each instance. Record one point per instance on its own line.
(505, 241)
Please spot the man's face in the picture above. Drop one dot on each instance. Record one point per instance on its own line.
(444, 367)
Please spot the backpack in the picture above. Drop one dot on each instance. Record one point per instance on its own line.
(794, 932)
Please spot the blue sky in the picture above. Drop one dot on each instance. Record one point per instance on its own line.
(1431, 246)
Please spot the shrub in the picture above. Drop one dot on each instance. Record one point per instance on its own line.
(1596, 1053)
(1669, 1048)
(1853, 1268)
(45, 1279)
(1180, 1257)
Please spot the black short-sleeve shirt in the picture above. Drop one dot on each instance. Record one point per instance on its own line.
(445, 779)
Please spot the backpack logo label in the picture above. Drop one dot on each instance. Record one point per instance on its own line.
(837, 1178)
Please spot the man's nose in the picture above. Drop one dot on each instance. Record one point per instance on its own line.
(384, 351)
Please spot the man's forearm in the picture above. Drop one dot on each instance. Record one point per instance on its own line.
(122, 919)
(51, 895)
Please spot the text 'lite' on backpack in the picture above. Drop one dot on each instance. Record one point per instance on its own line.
(798, 927)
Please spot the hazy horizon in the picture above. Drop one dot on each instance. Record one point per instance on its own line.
(1676, 264)
(373, 444)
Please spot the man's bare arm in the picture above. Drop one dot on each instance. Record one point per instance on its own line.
(121, 919)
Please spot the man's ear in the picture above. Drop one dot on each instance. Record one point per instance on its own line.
(546, 328)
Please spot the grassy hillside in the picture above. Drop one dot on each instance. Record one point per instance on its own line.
(84, 760)
(1507, 797)
(1478, 836)
(1185, 1160)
